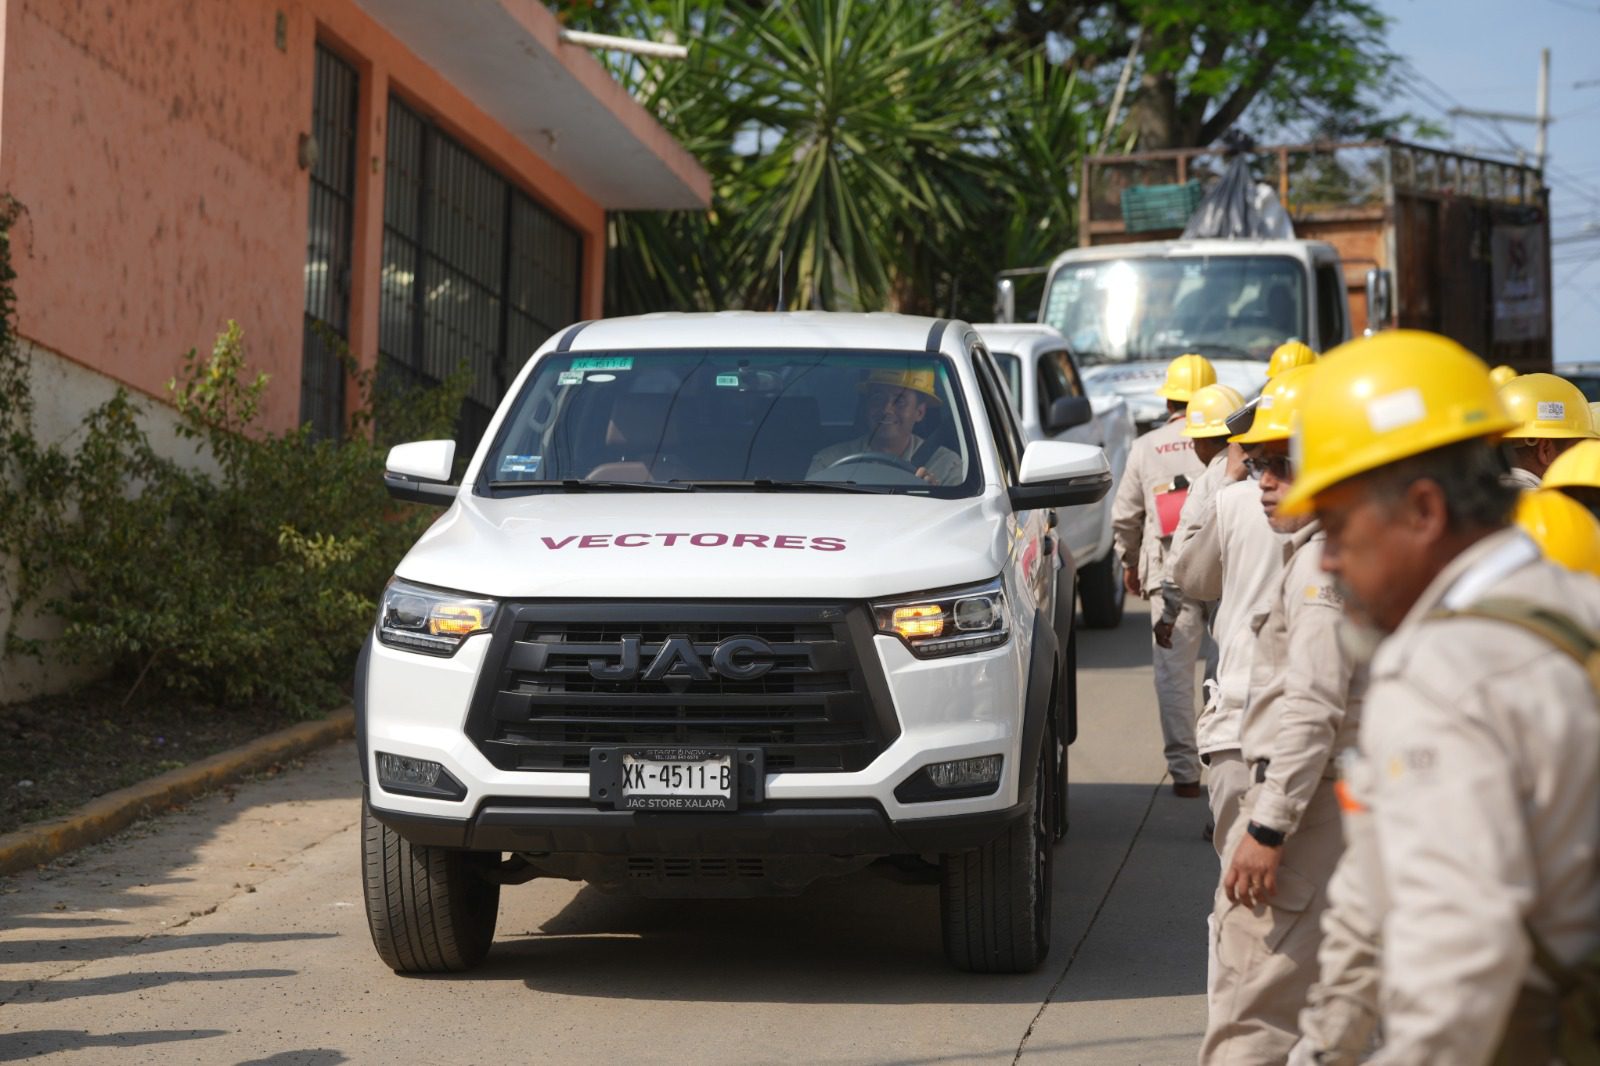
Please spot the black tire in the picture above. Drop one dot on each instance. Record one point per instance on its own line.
(1069, 730)
(1066, 701)
(1103, 594)
(995, 902)
(430, 910)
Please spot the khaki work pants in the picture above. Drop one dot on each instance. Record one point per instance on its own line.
(1265, 957)
(1174, 670)
(1227, 780)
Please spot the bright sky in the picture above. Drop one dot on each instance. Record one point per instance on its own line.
(1484, 54)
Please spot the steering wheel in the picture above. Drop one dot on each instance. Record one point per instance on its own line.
(881, 458)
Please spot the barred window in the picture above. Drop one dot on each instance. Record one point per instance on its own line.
(474, 271)
(332, 207)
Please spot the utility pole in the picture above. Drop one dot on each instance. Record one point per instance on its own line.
(1541, 119)
(1543, 113)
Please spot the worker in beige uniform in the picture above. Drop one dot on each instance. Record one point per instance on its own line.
(1206, 425)
(1226, 551)
(1339, 1023)
(1340, 1020)
(1552, 415)
(1302, 713)
(1161, 464)
(1480, 738)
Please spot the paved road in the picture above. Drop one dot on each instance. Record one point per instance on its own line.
(232, 932)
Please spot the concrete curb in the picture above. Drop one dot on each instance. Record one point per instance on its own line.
(94, 821)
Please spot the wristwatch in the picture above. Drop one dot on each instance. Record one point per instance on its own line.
(1272, 838)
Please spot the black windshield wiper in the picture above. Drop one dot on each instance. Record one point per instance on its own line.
(762, 484)
(573, 484)
(1217, 347)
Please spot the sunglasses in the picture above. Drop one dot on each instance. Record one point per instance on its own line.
(1278, 465)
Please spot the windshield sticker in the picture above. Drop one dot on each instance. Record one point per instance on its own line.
(520, 464)
(601, 378)
(790, 541)
(570, 377)
(604, 362)
(728, 381)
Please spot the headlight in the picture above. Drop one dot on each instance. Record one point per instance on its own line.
(949, 622)
(431, 621)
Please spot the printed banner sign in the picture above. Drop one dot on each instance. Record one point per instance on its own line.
(1520, 300)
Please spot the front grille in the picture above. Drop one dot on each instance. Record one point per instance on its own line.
(699, 867)
(564, 678)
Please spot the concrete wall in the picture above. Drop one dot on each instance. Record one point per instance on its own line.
(62, 392)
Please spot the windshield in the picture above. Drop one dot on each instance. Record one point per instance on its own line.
(788, 418)
(1120, 310)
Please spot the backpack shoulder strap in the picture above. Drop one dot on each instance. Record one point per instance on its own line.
(1581, 644)
(1569, 636)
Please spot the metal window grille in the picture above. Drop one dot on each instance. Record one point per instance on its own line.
(333, 183)
(474, 272)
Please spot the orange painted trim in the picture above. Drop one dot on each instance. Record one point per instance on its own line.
(366, 225)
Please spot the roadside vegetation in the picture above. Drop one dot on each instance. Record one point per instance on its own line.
(215, 599)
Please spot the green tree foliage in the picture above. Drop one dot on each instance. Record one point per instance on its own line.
(1301, 68)
(860, 141)
(898, 152)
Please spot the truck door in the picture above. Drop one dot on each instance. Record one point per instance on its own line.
(1333, 310)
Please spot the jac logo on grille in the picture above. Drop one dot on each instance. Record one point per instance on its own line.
(737, 659)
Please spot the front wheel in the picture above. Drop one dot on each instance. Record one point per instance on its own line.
(430, 910)
(1103, 594)
(995, 902)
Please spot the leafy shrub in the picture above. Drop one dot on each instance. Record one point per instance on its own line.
(255, 583)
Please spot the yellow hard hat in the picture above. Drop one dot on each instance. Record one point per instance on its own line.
(1280, 402)
(1501, 374)
(1185, 374)
(1209, 409)
(916, 380)
(1594, 415)
(1576, 468)
(1546, 406)
(1562, 527)
(1289, 355)
(1379, 399)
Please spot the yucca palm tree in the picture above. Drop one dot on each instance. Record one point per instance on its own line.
(868, 143)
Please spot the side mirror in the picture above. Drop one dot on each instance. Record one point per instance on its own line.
(420, 472)
(1005, 300)
(1068, 412)
(1380, 300)
(1060, 474)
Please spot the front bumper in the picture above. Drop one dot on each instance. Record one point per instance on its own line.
(842, 829)
(963, 707)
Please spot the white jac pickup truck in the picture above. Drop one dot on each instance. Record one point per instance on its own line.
(723, 604)
(1043, 379)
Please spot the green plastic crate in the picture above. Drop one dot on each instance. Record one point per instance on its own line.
(1155, 207)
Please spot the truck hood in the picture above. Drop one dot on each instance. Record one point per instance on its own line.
(1137, 383)
(710, 544)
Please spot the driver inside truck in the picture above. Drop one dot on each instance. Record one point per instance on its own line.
(896, 401)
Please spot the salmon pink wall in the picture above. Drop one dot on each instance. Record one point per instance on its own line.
(153, 144)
